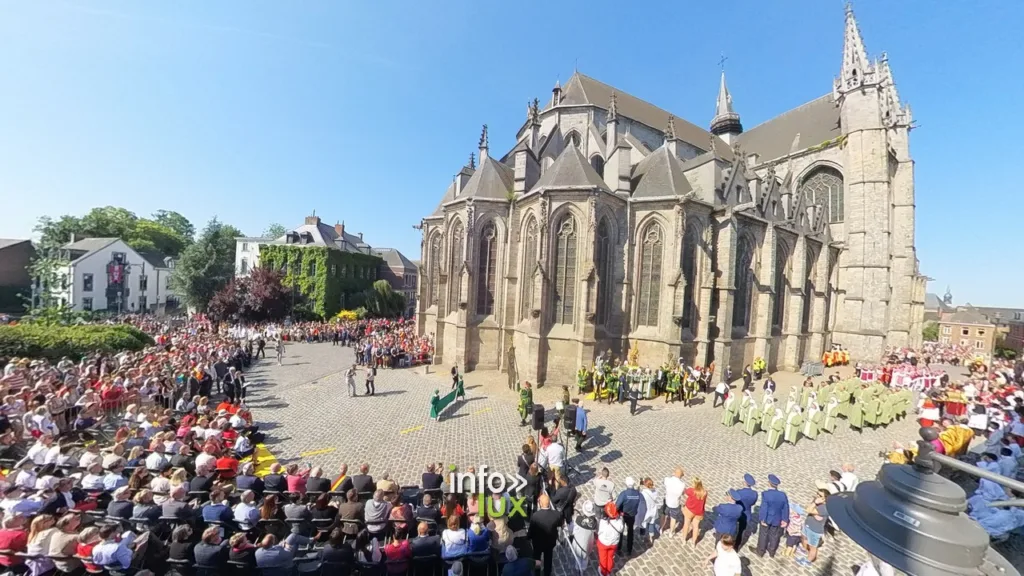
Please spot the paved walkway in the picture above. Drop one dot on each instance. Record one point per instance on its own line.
(305, 407)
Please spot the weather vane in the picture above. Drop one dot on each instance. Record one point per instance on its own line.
(721, 61)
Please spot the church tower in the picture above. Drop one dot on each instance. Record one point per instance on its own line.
(878, 267)
(726, 123)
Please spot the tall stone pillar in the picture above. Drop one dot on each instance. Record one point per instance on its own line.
(761, 319)
(794, 293)
(816, 341)
(725, 286)
(904, 258)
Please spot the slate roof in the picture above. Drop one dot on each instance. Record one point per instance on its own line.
(325, 235)
(1001, 315)
(816, 121)
(660, 174)
(89, 245)
(965, 317)
(154, 259)
(7, 242)
(584, 90)
(492, 180)
(570, 170)
(394, 259)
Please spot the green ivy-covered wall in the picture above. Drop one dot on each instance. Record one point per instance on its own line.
(325, 279)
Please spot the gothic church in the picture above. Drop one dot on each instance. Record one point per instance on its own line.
(613, 224)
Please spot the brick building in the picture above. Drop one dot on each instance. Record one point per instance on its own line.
(967, 327)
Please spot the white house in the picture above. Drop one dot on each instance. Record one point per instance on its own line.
(107, 274)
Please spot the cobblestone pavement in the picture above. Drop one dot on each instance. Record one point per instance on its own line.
(305, 407)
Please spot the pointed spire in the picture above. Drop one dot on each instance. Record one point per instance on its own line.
(613, 108)
(726, 122)
(670, 130)
(472, 161)
(532, 113)
(483, 145)
(857, 69)
(724, 104)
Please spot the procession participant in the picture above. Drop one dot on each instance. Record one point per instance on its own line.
(773, 516)
(746, 497)
(525, 402)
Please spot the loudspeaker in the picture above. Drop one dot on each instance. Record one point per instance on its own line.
(570, 418)
(538, 417)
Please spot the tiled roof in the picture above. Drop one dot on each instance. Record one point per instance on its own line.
(816, 122)
(570, 170)
(660, 174)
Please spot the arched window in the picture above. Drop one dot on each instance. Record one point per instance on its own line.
(650, 275)
(825, 186)
(529, 265)
(565, 271)
(744, 277)
(573, 138)
(486, 263)
(455, 259)
(691, 245)
(598, 163)
(603, 260)
(434, 268)
(780, 285)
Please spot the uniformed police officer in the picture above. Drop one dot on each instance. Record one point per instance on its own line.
(773, 517)
(727, 516)
(628, 504)
(747, 499)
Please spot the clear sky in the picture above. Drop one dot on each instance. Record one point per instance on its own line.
(262, 111)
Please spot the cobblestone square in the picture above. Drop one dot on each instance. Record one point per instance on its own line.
(305, 408)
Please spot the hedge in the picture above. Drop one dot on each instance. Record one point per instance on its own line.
(55, 342)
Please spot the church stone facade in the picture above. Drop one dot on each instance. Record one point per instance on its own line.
(612, 224)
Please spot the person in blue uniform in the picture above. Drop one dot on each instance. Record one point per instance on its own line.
(747, 499)
(773, 517)
(727, 516)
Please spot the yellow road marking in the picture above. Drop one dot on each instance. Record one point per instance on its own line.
(317, 452)
(413, 429)
(264, 460)
(482, 411)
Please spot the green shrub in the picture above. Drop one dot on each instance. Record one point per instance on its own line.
(54, 342)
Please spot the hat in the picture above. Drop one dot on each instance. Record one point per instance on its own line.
(773, 480)
(748, 479)
(630, 482)
(588, 508)
(734, 494)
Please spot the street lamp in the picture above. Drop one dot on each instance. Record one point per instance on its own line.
(914, 519)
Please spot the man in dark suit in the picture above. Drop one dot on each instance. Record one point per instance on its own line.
(246, 480)
(298, 516)
(351, 509)
(176, 507)
(774, 517)
(543, 532)
(212, 550)
(275, 481)
(428, 511)
(363, 482)
(121, 506)
(564, 498)
(316, 483)
(220, 370)
(203, 481)
(424, 544)
(431, 480)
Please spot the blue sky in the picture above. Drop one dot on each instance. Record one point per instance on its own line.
(261, 112)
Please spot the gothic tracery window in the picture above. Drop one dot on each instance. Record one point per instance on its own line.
(650, 275)
(573, 138)
(825, 186)
(565, 271)
(598, 164)
(603, 261)
(689, 266)
(529, 265)
(744, 278)
(455, 259)
(435, 267)
(486, 264)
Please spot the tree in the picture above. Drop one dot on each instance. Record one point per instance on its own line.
(257, 298)
(168, 232)
(930, 332)
(383, 302)
(175, 221)
(207, 265)
(275, 230)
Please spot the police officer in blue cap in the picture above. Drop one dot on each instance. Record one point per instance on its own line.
(727, 516)
(747, 498)
(773, 516)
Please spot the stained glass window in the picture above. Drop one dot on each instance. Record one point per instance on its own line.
(529, 265)
(744, 275)
(565, 271)
(435, 267)
(455, 266)
(603, 258)
(650, 275)
(825, 186)
(781, 283)
(689, 265)
(487, 262)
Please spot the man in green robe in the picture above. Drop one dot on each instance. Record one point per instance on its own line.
(525, 402)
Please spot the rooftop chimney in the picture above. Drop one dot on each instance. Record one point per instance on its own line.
(360, 236)
(71, 240)
(314, 219)
(339, 228)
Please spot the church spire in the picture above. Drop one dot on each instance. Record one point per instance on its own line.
(472, 161)
(726, 122)
(856, 70)
(483, 145)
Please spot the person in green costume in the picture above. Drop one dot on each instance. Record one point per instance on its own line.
(525, 402)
